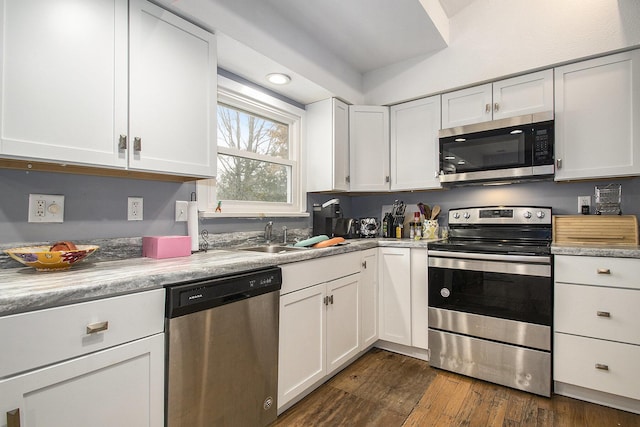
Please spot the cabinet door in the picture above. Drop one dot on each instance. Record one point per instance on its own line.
(120, 386)
(597, 122)
(343, 321)
(414, 144)
(369, 148)
(419, 313)
(328, 145)
(395, 295)
(369, 298)
(301, 359)
(64, 80)
(531, 93)
(172, 125)
(466, 106)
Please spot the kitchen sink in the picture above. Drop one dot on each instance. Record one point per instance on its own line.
(272, 249)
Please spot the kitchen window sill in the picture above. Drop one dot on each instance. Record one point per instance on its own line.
(212, 215)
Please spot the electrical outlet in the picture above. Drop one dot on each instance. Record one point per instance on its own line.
(46, 208)
(181, 211)
(584, 201)
(134, 208)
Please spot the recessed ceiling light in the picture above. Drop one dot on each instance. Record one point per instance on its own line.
(278, 78)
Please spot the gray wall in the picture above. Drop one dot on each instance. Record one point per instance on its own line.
(561, 197)
(96, 207)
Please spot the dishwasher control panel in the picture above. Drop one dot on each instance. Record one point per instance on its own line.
(200, 295)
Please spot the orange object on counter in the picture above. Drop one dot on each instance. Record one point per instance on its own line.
(330, 242)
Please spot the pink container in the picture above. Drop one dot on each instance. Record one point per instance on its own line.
(166, 246)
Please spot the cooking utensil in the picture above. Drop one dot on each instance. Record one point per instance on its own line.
(435, 212)
(427, 212)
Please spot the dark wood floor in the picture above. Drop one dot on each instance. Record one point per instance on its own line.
(387, 389)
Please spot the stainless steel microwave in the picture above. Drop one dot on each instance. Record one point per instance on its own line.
(512, 149)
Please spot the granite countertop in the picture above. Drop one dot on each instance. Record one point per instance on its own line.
(596, 250)
(25, 289)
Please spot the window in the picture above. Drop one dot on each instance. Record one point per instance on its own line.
(258, 170)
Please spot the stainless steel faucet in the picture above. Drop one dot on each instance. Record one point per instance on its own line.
(284, 234)
(268, 229)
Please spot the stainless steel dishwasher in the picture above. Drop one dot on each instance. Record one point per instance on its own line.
(222, 350)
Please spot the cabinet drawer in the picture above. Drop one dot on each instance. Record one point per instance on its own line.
(586, 270)
(46, 336)
(576, 360)
(300, 275)
(593, 311)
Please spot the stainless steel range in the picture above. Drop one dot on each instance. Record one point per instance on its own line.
(491, 296)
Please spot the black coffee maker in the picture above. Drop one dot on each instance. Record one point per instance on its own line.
(325, 217)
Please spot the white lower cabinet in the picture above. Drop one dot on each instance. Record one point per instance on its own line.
(369, 298)
(596, 336)
(395, 295)
(319, 323)
(120, 386)
(99, 363)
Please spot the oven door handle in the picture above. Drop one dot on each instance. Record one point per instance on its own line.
(540, 259)
(521, 269)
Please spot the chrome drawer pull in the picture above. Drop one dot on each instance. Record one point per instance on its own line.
(603, 314)
(97, 327)
(13, 418)
(602, 367)
(604, 271)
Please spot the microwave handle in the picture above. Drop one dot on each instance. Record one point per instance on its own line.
(558, 163)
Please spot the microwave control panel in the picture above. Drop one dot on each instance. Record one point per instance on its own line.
(543, 145)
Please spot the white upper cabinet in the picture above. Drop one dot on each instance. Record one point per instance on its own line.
(527, 94)
(81, 80)
(369, 148)
(414, 144)
(64, 80)
(466, 106)
(598, 117)
(327, 145)
(172, 117)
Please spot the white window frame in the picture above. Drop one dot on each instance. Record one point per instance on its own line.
(238, 95)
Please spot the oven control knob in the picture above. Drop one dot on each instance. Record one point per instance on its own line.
(527, 214)
(456, 215)
(445, 292)
(467, 215)
(540, 214)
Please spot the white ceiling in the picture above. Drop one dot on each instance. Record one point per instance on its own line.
(364, 35)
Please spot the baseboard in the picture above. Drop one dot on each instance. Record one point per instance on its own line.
(417, 353)
(598, 397)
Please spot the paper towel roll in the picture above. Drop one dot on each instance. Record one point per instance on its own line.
(192, 225)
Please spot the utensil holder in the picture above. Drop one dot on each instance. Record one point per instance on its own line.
(430, 229)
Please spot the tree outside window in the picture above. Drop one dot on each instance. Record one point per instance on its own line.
(253, 154)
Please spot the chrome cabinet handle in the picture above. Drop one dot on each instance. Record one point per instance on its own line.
(331, 299)
(97, 327)
(558, 163)
(325, 300)
(364, 264)
(13, 418)
(604, 271)
(603, 314)
(137, 144)
(347, 179)
(122, 142)
(602, 367)
(487, 108)
(387, 179)
(496, 107)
